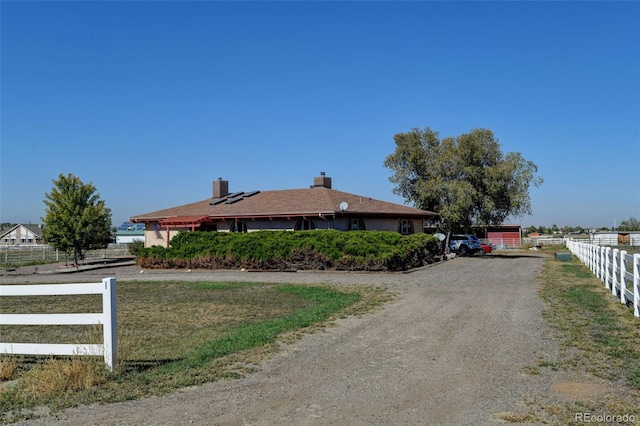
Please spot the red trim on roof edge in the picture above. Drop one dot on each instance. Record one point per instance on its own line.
(184, 220)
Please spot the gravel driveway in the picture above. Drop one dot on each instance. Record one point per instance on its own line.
(451, 349)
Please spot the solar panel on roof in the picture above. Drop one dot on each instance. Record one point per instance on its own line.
(233, 198)
(218, 201)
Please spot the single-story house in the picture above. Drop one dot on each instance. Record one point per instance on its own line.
(22, 235)
(316, 207)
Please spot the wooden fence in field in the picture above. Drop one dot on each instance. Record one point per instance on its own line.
(619, 271)
(108, 319)
(11, 255)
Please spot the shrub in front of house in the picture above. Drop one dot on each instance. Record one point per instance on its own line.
(135, 246)
(300, 250)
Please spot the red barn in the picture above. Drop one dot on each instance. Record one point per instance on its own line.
(504, 235)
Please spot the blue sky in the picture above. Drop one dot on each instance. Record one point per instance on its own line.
(151, 101)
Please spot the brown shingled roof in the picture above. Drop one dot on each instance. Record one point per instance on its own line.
(312, 201)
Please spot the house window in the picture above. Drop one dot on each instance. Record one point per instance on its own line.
(238, 227)
(305, 225)
(355, 225)
(405, 227)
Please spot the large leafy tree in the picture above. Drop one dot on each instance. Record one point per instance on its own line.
(467, 179)
(76, 218)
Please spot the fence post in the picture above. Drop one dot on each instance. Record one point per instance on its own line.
(615, 271)
(607, 267)
(636, 285)
(601, 264)
(110, 323)
(587, 256)
(623, 278)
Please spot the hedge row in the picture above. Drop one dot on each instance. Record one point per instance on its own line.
(286, 250)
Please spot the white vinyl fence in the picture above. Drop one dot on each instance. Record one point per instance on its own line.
(108, 319)
(619, 271)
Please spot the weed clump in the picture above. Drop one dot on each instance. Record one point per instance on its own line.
(56, 377)
(9, 364)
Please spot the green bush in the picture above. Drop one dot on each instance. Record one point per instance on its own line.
(284, 250)
(135, 246)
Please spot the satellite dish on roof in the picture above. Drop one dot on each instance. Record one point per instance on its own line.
(441, 237)
(344, 205)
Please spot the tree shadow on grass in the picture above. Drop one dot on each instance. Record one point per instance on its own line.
(141, 365)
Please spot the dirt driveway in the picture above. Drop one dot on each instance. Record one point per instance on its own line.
(452, 349)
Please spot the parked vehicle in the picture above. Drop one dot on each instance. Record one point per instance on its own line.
(486, 248)
(464, 245)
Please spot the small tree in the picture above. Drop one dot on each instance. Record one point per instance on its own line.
(76, 219)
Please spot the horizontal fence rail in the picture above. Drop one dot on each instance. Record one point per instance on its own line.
(107, 318)
(42, 253)
(503, 243)
(618, 270)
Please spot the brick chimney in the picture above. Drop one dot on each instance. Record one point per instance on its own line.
(220, 188)
(322, 180)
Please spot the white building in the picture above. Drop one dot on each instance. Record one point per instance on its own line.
(615, 238)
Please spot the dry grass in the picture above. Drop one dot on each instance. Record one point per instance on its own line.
(157, 321)
(166, 330)
(518, 418)
(600, 340)
(597, 329)
(57, 377)
(9, 365)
